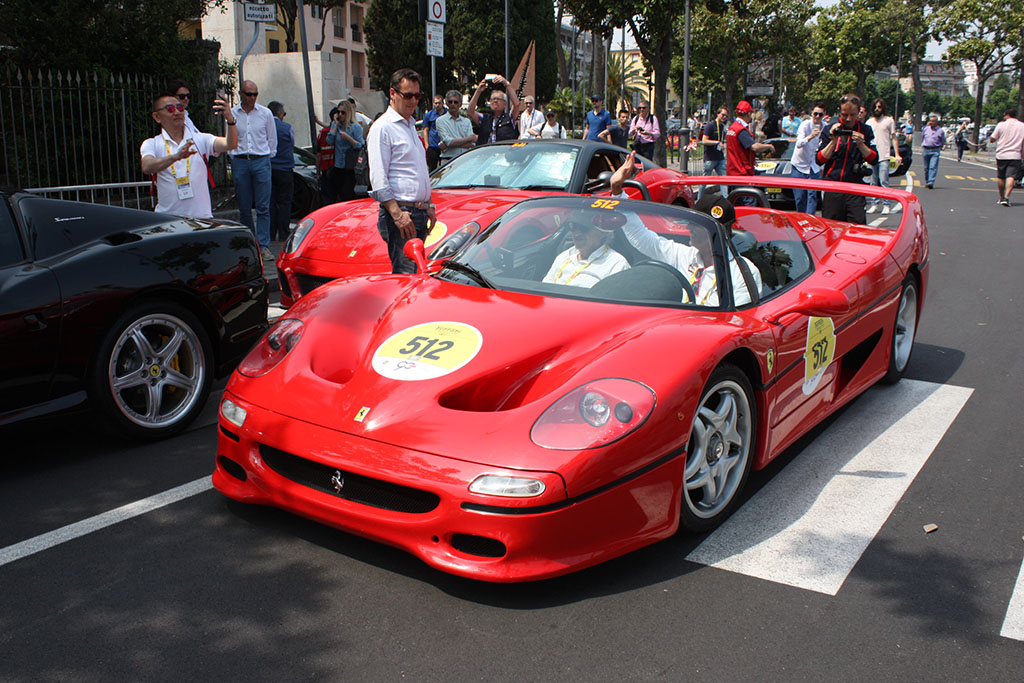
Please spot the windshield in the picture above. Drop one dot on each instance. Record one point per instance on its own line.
(519, 166)
(597, 248)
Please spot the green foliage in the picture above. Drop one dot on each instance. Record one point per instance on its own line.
(561, 102)
(114, 37)
(634, 82)
(474, 42)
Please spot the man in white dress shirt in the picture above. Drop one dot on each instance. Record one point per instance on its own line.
(178, 157)
(530, 118)
(250, 163)
(398, 171)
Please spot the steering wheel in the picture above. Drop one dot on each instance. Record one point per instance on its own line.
(687, 287)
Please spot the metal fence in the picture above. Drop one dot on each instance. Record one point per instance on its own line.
(137, 195)
(61, 129)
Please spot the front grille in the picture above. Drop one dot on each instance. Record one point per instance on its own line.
(355, 487)
(307, 283)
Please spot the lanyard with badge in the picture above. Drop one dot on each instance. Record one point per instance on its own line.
(183, 184)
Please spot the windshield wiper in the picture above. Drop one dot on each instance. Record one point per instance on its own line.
(542, 187)
(462, 187)
(471, 272)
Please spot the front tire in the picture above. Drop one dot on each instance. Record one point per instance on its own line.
(903, 332)
(719, 451)
(153, 371)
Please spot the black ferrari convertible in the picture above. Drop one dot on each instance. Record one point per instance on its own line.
(130, 313)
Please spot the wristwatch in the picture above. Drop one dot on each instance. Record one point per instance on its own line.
(231, 123)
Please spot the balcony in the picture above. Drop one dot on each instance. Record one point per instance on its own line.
(357, 81)
(339, 31)
(357, 34)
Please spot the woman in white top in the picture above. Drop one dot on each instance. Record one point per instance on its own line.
(551, 128)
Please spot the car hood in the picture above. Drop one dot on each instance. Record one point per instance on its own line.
(347, 233)
(502, 374)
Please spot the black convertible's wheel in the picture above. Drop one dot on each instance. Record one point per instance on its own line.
(687, 287)
(719, 450)
(152, 373)
(903, 332)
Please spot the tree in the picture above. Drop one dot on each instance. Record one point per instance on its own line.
(850, 37)
(92, 35)
(288, 13)
(908, 23)
(617, 87)
(983, 32)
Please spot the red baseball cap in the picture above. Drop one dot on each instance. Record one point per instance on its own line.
(743, 107)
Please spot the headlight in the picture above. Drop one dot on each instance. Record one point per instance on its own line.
(509, 487)
(594, 415)
(272, 348)
(232, 412)
(297, 235)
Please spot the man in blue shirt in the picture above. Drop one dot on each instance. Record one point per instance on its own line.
(281, 165)
(433, 138)
(597, 120)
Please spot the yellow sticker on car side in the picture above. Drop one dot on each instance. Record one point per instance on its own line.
(819, 352)
(766, 165)
(435, 235)
(427, 351)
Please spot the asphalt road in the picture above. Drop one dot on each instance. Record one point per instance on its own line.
(206, 589)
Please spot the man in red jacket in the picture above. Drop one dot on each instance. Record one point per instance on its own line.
(740, 147)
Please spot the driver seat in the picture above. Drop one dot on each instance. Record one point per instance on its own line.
(644, 282)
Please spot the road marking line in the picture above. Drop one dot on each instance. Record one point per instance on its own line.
(274, 312)
(1013, 624)
(100, 521)
(908, 181)
(811, 523)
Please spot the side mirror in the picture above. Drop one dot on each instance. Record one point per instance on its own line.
(816, 301)
(413, 250)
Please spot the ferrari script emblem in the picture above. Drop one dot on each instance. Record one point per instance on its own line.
(770, 360)
(338, 481)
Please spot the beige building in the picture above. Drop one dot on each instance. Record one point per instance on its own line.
(337, 68)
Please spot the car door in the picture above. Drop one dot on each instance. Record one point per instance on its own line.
(30, 313)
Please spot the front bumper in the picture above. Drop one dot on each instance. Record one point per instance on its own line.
(420, 502)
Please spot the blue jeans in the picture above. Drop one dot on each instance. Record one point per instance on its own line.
(392, 236)
(713, 168)
(806, 200)
(252, 188)
(880, 178)
(931, 164)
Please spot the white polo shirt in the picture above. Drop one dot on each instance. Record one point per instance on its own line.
(569, 269)
(198, 206)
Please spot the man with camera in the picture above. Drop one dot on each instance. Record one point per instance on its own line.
(844, 148)
(500, 124)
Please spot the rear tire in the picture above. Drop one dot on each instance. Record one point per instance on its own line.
(903, 332)
(719, 450)
(152, 373)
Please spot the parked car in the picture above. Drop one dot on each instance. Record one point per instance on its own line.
(342, 239)
(129, 313)
(306, 196)
(503, 427)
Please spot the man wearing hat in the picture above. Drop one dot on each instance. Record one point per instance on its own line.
(740, 147)
(597, 120)
(589, 260)
(694, 260)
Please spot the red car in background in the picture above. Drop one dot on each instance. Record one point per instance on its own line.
(342, 239)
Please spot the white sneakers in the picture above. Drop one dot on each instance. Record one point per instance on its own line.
(885, 210)
(873, 208)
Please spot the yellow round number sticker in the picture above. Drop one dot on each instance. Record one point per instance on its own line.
(436, 233)
(427, 351)
(821, 347)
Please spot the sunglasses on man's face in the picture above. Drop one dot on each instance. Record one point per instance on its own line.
(171, 108)
(183, 95)
(408, 95)
(250, 94)
(844, 100)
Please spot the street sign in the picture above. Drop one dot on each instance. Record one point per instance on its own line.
(437, 12)
(264, 13)
(435, 39)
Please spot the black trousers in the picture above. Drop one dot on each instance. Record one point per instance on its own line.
(839, 206)
(281, 189)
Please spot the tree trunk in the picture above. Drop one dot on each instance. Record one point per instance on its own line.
(915, 77)
(1020, 81)
(978, 102)
(661, 69)
(559, 52)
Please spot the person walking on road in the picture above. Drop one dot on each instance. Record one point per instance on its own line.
(886, 144)
(1009, 138)
(398, 171)
(250, 163)
(933, 139)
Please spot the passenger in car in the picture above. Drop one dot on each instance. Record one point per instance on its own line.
(694, 260)
(589, 260)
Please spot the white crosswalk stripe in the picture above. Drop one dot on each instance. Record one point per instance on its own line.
(1013, 624)
(810, 524)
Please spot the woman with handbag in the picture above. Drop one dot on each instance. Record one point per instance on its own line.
(347, 137)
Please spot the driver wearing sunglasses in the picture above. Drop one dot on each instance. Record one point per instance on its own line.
(176, 158)
(398, 171)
